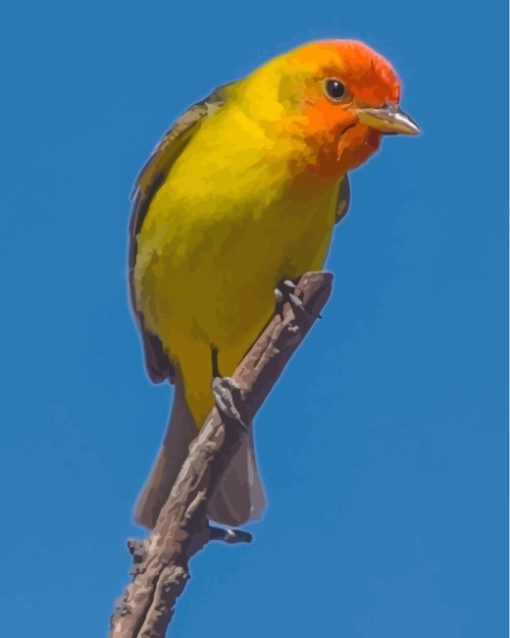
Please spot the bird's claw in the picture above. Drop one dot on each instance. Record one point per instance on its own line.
(285, 293)
(227, 394)
(284, 290)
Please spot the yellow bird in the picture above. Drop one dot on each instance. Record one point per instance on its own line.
(242, 193)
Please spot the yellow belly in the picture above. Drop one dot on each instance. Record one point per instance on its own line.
(209, 258)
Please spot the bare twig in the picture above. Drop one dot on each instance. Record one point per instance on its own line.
(160, 571)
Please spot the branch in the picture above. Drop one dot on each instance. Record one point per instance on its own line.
(160, 571)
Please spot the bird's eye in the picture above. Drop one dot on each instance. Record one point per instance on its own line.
(335, 89)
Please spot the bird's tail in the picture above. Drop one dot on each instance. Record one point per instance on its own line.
(172, 453)
(238, 497)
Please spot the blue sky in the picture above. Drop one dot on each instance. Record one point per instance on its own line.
(383, 447)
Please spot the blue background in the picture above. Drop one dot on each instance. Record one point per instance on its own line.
(383, 447)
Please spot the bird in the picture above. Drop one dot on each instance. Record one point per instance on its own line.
(242, 193)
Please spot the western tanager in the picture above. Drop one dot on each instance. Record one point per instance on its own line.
(242, 193)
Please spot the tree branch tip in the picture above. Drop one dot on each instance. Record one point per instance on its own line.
(230, 536)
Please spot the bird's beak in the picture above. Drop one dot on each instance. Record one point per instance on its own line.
(388, 119)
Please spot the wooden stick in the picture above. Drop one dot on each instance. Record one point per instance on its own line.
(160, 571)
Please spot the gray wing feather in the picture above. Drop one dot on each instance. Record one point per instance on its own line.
(148, 182)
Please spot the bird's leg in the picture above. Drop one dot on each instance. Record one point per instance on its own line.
(227, 393)
(214, 360)
(285, 293)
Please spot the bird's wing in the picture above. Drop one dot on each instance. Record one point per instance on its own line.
(147, 184)
(343, 201)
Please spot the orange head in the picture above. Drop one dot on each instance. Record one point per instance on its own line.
(338, 96)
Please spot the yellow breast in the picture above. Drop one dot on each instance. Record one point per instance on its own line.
(222, 231)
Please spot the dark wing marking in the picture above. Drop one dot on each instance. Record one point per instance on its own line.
(343, 201)
(146, 186)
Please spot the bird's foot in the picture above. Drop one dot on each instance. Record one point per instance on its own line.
(228, 394)
(286, 293)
